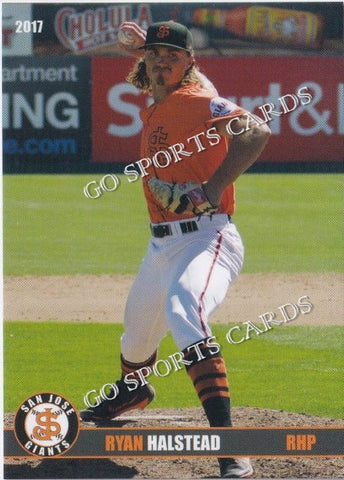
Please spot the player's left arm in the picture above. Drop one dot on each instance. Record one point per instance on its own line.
(246, 145)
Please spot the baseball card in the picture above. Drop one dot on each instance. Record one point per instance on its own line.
(172, 240)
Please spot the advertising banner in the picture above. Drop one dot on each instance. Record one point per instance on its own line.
(311, 132)
(116, 105)
(45, 112)
(92, 28)
(300, 98)
(86, 29)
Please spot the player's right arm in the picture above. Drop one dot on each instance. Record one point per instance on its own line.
(138, 36)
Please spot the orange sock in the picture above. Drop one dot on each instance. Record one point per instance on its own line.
(209, 377)
(130, 367)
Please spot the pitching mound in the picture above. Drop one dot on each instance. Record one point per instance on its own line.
(183, 468)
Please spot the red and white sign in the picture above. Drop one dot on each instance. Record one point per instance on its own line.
(96, 27)
(309, 133)
(116, 123)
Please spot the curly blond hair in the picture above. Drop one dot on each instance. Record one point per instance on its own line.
(139, 78)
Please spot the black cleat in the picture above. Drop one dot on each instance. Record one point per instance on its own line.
(124, 401)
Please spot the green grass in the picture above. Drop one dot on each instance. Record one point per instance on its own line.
(289, 223)
(51, 228)
(292, 368)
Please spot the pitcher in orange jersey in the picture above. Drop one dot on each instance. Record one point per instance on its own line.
(195, 251)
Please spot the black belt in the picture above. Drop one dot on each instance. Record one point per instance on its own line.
(164, 229)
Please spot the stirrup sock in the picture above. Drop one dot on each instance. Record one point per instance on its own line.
(133, 368)
(209, 377)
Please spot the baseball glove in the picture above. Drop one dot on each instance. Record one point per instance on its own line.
(182, 198)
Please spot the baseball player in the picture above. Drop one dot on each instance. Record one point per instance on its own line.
(195, 145)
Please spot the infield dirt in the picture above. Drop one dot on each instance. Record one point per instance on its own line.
(101, 298)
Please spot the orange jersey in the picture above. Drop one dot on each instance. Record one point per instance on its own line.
(181, 144)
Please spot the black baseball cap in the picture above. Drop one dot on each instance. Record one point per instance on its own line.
(171, 34)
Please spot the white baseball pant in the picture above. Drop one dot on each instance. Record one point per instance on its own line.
(184, 277)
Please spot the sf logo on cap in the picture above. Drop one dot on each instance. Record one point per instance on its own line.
(164, 31)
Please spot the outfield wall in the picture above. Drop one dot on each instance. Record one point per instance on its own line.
(76, 112)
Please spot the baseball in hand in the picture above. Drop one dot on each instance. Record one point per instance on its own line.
(126, 37)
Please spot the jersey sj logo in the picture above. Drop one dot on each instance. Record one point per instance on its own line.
(46, 425)
(157, 140)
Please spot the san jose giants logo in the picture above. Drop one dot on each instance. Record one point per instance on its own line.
(46, 425)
